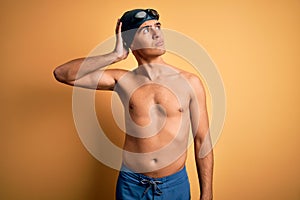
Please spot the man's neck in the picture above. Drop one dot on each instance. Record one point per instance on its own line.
(154, 70)
(150, 60)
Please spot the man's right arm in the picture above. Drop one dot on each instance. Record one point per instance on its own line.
(84, 72)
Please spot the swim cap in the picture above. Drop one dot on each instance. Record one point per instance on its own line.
(132, 20)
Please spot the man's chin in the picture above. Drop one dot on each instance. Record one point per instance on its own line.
(158, 51)
(161, 50)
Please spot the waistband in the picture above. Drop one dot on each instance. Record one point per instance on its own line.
(167, 181)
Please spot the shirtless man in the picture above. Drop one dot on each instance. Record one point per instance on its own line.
(160, 102)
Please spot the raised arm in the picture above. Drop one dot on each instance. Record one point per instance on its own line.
(202, 141)
(85, 71)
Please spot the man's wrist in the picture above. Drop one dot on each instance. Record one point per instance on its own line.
(115, 56)
(206, 196)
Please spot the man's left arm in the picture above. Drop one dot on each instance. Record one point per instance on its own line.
(202, 141)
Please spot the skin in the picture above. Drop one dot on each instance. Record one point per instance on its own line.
(160, 101)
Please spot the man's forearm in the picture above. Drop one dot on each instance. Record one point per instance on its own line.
(205, 175)
(74, 69)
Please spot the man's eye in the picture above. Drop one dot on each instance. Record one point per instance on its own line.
(158, 27)
(146, 30)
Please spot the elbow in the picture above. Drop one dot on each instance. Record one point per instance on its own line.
(65, 73)
(56, 74)
(59, 75)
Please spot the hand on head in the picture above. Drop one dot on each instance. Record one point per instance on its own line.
(120, 50)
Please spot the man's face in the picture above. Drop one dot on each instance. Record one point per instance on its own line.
(149, 39)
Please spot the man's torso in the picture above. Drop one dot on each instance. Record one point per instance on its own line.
(157, 120)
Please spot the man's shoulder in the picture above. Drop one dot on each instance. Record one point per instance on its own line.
(182, 72)
(192, 79)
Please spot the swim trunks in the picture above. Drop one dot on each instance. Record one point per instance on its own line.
(136, 186)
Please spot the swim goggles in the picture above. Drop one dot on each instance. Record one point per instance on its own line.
(148, 13)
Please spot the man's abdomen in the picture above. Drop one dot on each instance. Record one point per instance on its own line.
(160, 155)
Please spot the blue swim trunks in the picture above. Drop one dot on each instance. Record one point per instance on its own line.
(135, 186)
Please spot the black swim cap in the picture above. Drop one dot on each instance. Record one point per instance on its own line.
(132, 20)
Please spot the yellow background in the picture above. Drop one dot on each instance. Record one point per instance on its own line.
(255, 45)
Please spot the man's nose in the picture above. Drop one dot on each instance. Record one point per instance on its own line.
(155, 33)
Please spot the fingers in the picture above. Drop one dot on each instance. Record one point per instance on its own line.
(118, 26)
(119, 46)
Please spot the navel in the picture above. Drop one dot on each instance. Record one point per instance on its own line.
(130, 106)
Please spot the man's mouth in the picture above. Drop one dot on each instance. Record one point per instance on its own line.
(159, 43)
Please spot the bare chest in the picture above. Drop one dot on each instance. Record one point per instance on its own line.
(167, 95)
(146, 97)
